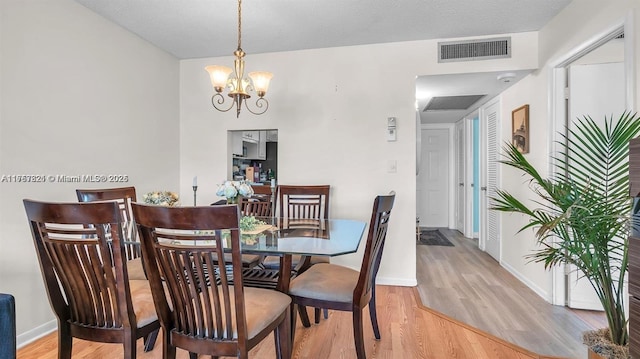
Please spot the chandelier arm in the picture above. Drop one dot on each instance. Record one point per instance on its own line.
(260, 104)
(221, 100)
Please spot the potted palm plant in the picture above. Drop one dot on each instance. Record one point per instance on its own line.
(581, 213)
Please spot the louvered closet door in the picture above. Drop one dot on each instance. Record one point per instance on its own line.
(490, 220)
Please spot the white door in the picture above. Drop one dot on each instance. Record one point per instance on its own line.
(433, 179)
(595, 90)
(460, 176)
(489, 220)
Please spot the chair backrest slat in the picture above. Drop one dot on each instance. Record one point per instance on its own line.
(181, 245)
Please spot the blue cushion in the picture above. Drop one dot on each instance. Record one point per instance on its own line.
(7, 326)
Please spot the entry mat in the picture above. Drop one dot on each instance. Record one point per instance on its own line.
(433, 237)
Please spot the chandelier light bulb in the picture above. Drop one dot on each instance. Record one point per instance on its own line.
(261, 81)
(219, 76)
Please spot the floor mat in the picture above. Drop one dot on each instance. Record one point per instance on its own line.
(433, 237)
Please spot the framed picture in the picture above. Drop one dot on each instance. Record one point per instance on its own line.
(520, 128)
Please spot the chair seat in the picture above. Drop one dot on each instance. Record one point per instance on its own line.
(135, 270)
(262, 307)
(324, 281)
(142, 302)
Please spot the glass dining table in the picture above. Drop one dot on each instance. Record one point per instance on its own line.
(285, 237)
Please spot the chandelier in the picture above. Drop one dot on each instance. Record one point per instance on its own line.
(238, 85)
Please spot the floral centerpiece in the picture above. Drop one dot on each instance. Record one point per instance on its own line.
(231, 189)
(161, 198)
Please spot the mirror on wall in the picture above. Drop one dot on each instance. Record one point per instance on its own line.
(254, 155)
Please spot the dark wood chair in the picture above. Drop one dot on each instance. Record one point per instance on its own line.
(200, 310)
(263, 191)
(336, 287)
(260, 204)
(253, 207)
(82, 259)
(303, 202)
(124, 196)
(297, 203)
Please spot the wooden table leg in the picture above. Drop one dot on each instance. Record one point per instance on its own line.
(284, 279)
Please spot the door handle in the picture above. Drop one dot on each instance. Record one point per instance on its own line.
(461, 184)
(483, 188)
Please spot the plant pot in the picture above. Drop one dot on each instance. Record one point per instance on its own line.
(600, 346)
(594, 355)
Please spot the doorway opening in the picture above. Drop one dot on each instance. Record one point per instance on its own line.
(253, 155)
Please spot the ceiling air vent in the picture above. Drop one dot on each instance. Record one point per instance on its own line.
(447, 103)
(481, 49)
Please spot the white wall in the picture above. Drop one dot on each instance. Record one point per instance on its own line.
(330, 108)
(79, 95)
(580, 22)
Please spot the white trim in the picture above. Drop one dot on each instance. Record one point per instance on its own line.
(400, 282)
(557, 109)
(629, 61)
(539, 291)
(36, 333)
(557, 106)
(468, 175)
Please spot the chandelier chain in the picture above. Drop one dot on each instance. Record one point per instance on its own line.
(239, 24)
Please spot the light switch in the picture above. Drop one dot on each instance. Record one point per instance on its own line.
(391, 134)
(392, 166)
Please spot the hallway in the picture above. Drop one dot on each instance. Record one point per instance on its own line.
(468, 285)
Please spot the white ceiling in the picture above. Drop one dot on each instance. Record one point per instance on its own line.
(208, 28)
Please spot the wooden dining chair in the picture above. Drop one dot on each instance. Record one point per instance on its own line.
(124, 196)
(264, 192)
(200, 310)
(336, 287)
(82, 258)
(250, 206)
(300, 202)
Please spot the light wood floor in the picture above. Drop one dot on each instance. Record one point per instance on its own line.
(469, 285)
(408, 329)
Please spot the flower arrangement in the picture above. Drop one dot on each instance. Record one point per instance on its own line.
(231, 189)
(249, 223)
(161, 198)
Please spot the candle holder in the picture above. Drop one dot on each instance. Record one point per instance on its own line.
(195, 189)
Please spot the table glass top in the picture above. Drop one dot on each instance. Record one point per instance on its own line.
(278, 236)
(311, 237)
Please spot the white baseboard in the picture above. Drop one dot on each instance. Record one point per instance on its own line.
(36, 333)
(539, 291)
(400, 282)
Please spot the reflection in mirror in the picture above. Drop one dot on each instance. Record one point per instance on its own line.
(254, 155)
